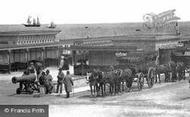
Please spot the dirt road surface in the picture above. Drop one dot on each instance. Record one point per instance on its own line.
(163, 100)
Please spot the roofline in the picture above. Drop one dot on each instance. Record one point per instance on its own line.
(29, 32)
(145, 35)
(31, 46)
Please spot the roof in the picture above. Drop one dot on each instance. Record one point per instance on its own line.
(90, 31)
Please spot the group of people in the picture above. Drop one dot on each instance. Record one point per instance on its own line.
(66, 80)
(45, 79)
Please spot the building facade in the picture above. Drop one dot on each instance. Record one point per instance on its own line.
(108, 44)
(20, 44)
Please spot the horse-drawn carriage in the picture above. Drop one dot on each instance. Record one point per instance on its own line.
(121, 77)
(172, 63)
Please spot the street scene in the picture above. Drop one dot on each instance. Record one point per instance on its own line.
(98, 59)
(163, 100)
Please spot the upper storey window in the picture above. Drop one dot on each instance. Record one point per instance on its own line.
(30, 39)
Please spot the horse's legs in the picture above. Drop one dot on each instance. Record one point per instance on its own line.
(102, 88)
(156, 76)
(184, 75)
(119, 86)
(180, 75)
(114, 88)
(111, 88)
(165, 74)
(166, 77)
(105, 88)
(91, 90)
(97, 89)
(122, 85)
(159, 77)
(94, 89)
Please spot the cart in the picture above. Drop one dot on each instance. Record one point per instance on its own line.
(142, 65)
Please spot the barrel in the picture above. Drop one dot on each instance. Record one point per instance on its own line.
(25, 78)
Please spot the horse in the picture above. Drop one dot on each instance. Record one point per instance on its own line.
(92, 80)
(109, 78)
(101, 83)
(166, 69)
(180, 69)
(125, 76)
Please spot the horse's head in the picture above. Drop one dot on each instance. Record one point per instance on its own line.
(88, 75)
(118, 72)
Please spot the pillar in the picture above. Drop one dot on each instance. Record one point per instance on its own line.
(58, 55)
(45, 56)
(73, 57)
(26, 55)
(9, 59)
(42, 55)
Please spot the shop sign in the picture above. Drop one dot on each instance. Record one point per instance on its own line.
(169, 45)
(66, 52)
(121, 54)
(152, 20)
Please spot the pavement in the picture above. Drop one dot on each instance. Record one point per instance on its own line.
(162, 100)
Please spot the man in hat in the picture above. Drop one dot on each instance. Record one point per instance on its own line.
(49, 82)
(60, 78)
(68, 84)
(31, 68)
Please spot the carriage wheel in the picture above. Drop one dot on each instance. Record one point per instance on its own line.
(18, 91)
(140, 81)
(150, 77)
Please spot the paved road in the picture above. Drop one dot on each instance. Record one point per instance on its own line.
(163, 100)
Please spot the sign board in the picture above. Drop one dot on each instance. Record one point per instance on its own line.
(187, 53)
(66, 52)
(121, 54)
(154, 21)
(168, 45)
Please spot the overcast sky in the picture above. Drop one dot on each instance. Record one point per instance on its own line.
(88, 11)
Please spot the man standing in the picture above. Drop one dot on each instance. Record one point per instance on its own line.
(60, 78)
(31, 68)
(68, 84)
(49, 82)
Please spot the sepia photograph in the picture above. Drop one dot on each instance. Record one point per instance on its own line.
(95, 58)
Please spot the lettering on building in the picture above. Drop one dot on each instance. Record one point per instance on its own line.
(164, 19)
(121, 54)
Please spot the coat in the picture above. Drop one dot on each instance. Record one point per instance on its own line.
(60, 77)
(49, 80)
(68, 83)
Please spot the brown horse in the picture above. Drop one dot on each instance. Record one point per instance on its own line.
(180, 69)
(125, 78)
(165, 69)
(92, 80)
(109, 79)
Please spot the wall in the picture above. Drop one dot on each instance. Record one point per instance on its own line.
(102, 58)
